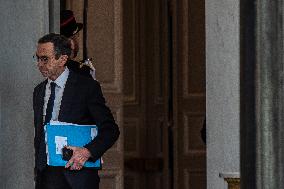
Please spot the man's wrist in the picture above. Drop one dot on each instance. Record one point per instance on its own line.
(86, 153)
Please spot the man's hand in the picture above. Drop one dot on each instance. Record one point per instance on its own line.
(80, 156)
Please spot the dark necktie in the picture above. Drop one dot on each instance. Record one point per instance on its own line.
(42, 148)
(50, 103)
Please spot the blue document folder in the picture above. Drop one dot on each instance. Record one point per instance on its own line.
(59, 134)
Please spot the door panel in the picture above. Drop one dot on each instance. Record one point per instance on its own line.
(189, 93)
(145, 90)
(134, 98)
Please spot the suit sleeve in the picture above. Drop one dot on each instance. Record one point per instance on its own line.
(108, 131)
(35, 116)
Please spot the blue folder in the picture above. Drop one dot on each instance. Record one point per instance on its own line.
(58, 134)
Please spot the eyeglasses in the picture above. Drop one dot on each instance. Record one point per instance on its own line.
(43, 59)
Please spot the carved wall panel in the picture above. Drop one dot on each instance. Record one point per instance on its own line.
(111, 179)
(193, 42)
(194, 179)
(131, 132)
(193, 122)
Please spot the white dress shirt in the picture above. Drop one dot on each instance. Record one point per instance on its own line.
(59, 89)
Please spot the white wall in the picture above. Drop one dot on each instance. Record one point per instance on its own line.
(222, 88)
(22, 23)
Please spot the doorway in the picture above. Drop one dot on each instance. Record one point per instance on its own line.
(164, 94)
(162, 89)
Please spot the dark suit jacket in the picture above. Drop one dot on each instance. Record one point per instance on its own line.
(82, 103)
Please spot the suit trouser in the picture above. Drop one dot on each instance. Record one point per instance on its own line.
(61, 178)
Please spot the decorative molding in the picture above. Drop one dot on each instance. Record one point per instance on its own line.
(112, 18)
(133, 178)
(184, 42)
(185, 62)
(158, 56)
(118, 147)
(160, 140)
(113, 176)
(189, 178)
(116, 85)
(133, 99)
(233, 183)
(159, 184)
(132, 123)
(232, 178)
(186, 127)
(229, 175)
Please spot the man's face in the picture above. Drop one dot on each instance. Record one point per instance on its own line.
(74, 44)
(47, 63)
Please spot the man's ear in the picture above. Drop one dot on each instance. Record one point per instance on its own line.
(63, 59)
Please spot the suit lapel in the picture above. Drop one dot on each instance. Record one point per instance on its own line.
(68, 95)
(40, 100)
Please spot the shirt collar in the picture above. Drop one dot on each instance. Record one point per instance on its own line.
(61, 80)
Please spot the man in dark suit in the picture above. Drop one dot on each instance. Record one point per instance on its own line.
(68, 97)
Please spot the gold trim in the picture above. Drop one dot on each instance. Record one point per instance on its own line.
(233, 183)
